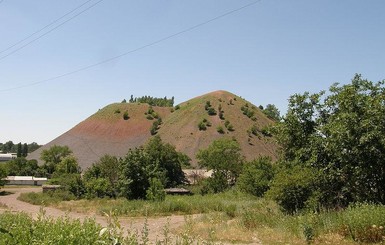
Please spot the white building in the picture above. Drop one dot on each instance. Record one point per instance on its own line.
(25, 180)
(5, 157)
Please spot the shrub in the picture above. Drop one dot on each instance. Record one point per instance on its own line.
(254, 129)
(266, 132)
(177, 107)
(256, 176)
(211, 111)
(156, 191)
(117, 111)
(207, 105)
(202, 126)
(292, 188)
(220, 130)
(125, 115)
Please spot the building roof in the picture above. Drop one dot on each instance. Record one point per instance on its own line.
(25, 178)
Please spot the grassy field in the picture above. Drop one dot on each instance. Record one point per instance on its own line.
(239, 218)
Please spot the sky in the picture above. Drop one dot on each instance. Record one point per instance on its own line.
(262, 50)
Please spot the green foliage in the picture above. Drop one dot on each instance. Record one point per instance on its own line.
(156, 191)
(220, 129)
(229, 126)
(126, 116)
(153, 101)
(136, 170)
(272, 112)
(254, 129)
(46, 199)
(155, 126)
(168, 160)
(211, 111)
(103, 175)
(221, 112)
(339, 134)
(98, 187)
(71, 183)
(23, 167)
(224, 157)
(202, 126)
(19, 228)
(207, 105)
(53, 156)
(256, 176)
(292, 187)
(177, 107)
(154, 160)
(267, 131)
(247, 111)
(19, 149)
(364, 223)
(68, 165)
(3, 174)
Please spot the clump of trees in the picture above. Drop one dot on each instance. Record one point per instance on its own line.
(332, 152)
(22, 149)
(142, 174)
(153, 101)
(224, 158)
(332, 147)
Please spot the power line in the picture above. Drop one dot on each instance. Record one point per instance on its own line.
(47, 32)
(53, 22)
(136, 49)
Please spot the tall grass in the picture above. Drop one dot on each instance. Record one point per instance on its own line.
(242, 215)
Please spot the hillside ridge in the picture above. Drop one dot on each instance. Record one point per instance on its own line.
(190, 126)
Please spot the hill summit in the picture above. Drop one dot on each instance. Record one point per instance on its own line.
(189, 126)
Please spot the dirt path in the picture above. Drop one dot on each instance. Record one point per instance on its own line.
(155, 225)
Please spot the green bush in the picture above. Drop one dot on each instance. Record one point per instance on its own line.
(202, 126)
(125, 115)
(292, 188)
(211, 111)
(156, 191)
(256, 176)
(220, 130)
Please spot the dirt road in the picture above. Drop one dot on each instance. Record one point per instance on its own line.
(155, 225)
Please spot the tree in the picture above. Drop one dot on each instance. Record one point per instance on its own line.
(24, 152)
(136, 170)
(101, 179)
(224, 157)
(256, 176)
(168, 160)
(3, 175)
(272, 112)
(23, 167)
(54, 156)
(154, 160)
(68, 165)
(338, 136)
(19, 149)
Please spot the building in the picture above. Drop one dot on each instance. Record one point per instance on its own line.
(25, 180)
(5, 157)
